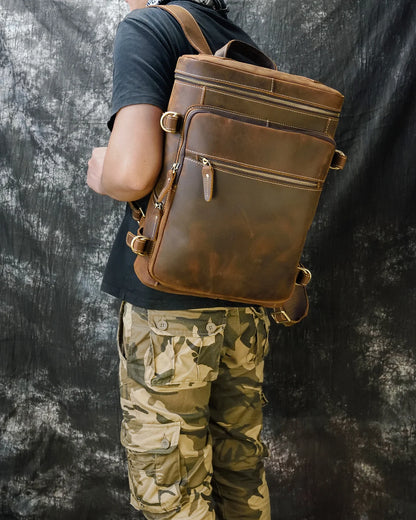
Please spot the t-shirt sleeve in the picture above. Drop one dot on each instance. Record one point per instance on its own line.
(144, 63)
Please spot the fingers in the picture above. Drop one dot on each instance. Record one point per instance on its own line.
(95, 169)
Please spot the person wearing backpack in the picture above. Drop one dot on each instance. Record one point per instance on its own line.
(191, 369)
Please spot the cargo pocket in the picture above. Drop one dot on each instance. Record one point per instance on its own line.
(184, 350)
(263, 327)
(153, 465)
(254, 328)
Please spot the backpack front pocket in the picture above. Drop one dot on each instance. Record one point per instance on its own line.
(243, 199)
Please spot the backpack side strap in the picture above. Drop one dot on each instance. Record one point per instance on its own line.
(297, 306)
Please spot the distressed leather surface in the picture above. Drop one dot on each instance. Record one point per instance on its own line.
(269, 138)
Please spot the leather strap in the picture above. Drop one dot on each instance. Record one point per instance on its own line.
(137, 243)
(189, 26)
(297, 306)
(236, 48)
(136, 213)
(338, 160)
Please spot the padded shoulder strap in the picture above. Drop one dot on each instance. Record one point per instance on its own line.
(189, 26)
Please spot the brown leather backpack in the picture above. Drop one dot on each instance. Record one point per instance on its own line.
(247, 151)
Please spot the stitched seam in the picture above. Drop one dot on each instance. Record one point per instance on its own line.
(212, 111)
(256, 117)
(268, 103)
(327, 126)
(266, 91)
(192, 86)
(203, 92)
(272, 182)
(269, 181)
(206, 108)
(249, 166)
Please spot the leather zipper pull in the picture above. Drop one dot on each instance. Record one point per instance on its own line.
(153, 225)
(169, 182)
(207, 179)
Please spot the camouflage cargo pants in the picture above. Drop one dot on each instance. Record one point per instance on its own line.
(191, 395)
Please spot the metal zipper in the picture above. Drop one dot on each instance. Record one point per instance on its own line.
(254, 173)
(192, 111)
(157, 200)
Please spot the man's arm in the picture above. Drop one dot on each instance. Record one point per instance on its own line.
(129, 167)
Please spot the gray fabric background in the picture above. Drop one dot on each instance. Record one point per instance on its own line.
(340, 424)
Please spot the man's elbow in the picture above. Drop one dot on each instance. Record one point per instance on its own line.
(129, 184)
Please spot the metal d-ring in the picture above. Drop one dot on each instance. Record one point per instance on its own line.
(175, 115)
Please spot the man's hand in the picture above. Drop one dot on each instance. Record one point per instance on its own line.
(95, 169)
(129, 167)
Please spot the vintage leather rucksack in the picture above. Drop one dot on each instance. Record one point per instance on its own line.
(247, 151)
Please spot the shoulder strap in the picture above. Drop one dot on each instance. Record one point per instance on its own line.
(189, 26)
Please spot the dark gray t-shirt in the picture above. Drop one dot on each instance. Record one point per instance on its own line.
(147, 46)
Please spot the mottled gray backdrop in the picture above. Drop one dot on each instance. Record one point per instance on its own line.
(340, 424)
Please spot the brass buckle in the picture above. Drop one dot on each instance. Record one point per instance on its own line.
(175, 115)
(285, 315)
(141, 239)
(280, 316)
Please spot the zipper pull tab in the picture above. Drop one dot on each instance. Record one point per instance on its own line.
(169, 182)
(152, 225)
(207, 179)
